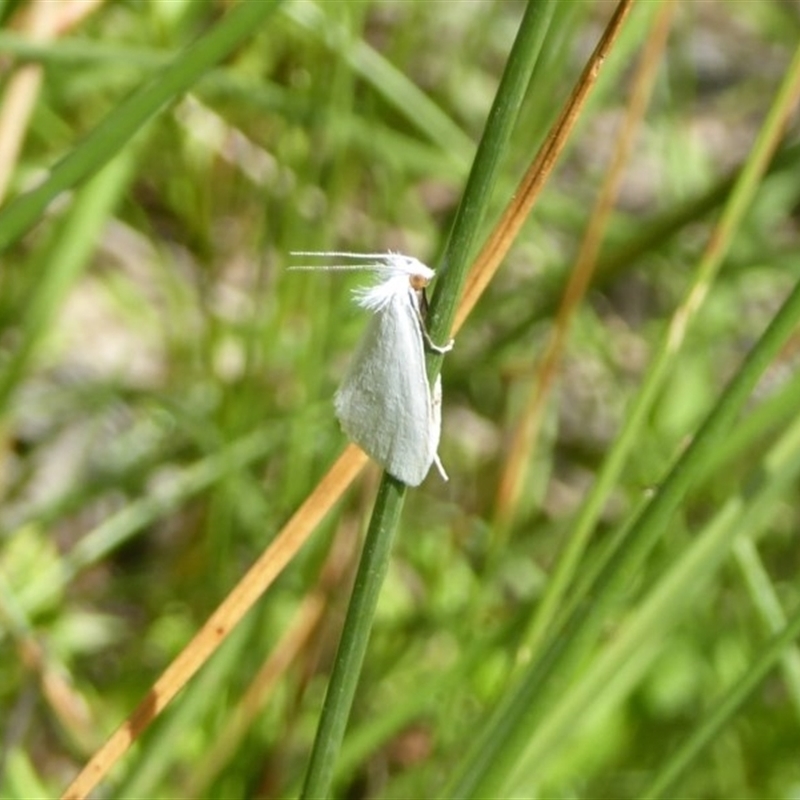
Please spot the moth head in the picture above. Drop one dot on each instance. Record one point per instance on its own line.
(418, 282)
(419, 274)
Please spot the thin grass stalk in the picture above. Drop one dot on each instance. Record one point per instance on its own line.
(386, 513)
(508, 227)
(137, 515)
(494, 143)
(306, 622)
(620, 663)
(61, 262)
(375, 70)
(616, 261)
(708, 732)
(741, 197)
(224, 619)
(113, 132)
(21, 91)
(419, 707)
(767, 603)
(64, 700)
(525, 436)
(372, 568)
(489, 767)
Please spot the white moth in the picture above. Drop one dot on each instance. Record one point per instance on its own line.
(385, 403)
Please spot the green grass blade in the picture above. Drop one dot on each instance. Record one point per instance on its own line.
(615, 260)
(617, 667)
(494, 143)
(704, 735)
(62, 261)
(137, 515)
(386, 514)
(665, 358)
(346, 672)
(201, 700)
(487, 769)
(127, 118)
(766, 600)
(387, 79)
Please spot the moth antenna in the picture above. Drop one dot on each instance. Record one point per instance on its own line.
(341, 267)
(344, 253)
(375, 266)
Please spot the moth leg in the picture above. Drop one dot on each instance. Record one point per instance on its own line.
(436, 417)
(435, 347)
(439, 467)
(419, 303)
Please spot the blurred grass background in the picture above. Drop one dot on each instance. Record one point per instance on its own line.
(166, 394)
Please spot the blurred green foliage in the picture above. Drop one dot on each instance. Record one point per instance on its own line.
(166, 385)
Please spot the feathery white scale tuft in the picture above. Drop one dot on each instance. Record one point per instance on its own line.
(385, 403)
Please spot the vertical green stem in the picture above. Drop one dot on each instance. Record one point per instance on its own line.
(355, 636)
(386, 514)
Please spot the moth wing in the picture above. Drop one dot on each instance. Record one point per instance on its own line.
(384, 403)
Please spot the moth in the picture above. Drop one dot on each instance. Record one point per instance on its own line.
(385, 403)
